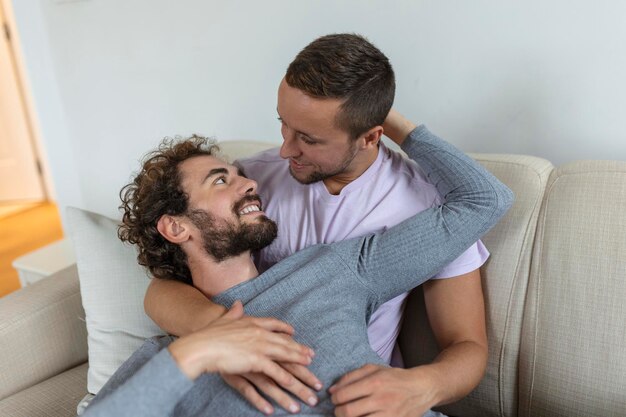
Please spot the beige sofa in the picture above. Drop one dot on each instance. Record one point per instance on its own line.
(555, 289)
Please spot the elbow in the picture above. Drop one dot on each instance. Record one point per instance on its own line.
(506, 198)
(495, 204)
(148, 299)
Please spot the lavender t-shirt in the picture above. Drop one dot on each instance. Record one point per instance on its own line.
(391, 190)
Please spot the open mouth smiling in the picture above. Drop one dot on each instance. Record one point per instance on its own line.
(249, 205)
(250, 209)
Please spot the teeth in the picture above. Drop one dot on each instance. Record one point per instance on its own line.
(249, 209)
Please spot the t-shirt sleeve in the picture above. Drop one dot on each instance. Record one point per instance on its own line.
(470, 260)
(149, 383)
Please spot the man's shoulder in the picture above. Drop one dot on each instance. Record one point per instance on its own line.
(397, 160)
(406, 176)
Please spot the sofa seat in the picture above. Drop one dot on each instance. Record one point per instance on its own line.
(55, 397)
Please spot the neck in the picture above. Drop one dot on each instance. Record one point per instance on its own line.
(361, 162)
(212, 277)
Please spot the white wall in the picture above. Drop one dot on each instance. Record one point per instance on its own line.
(534, 77)
(43, 98)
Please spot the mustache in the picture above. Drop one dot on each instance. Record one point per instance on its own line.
(251, 198)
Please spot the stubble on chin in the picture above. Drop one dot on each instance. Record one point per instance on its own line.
(311, 178)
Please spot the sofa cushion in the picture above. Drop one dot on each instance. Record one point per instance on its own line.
(573, 349)
(112, 286)
(54, 397)
(504, 279)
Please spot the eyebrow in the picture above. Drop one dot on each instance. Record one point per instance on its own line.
(217, 171)
(213, 172)
(299, 131)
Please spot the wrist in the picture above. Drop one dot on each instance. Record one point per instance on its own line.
(397, 127)
(208, 315)
(187, 358)
(427, 376)
(402, 131)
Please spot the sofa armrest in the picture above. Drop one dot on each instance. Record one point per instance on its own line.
(42, 331)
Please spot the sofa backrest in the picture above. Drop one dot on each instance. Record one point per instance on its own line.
(504, 277)
(573, 347)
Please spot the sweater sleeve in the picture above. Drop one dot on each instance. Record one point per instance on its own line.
(149, 383)
(411, 252)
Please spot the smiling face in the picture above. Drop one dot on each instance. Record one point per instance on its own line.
(224, 208)
(215, 186)
(315, 147)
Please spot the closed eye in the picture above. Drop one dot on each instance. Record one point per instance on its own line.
(306, 139)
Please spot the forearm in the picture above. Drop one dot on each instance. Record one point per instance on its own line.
(455, 372)
(397, 127)
(179, 309)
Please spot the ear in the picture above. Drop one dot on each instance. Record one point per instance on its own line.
(173, 228)
(371, 138)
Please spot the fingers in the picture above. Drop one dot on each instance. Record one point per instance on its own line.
(273, 325)
(247, 390)
(283, 348)
(266, 385)
(297, 388)
(303, 374)
(353, 376)
(249, 385)
(235, 312)
(363, 407)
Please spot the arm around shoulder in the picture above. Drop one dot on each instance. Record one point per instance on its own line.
(178, 308)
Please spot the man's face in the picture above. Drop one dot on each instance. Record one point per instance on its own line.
(315, 147)
(224, 207)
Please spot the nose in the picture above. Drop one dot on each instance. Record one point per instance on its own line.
(248, 186)
(289, 148)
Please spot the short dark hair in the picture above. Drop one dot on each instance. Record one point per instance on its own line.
(347, 67)
(156, 191)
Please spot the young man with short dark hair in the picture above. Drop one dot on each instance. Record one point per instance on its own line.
(332, 180)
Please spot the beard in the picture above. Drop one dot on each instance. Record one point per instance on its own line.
(317, 176)
(222, 239)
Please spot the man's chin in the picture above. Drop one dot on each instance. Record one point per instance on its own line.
(306, 179)
(254, 217)
(261, 233)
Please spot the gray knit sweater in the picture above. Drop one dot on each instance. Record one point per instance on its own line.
(327, 293)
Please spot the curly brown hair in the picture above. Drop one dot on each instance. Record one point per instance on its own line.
(348, 67)
(156, 191)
